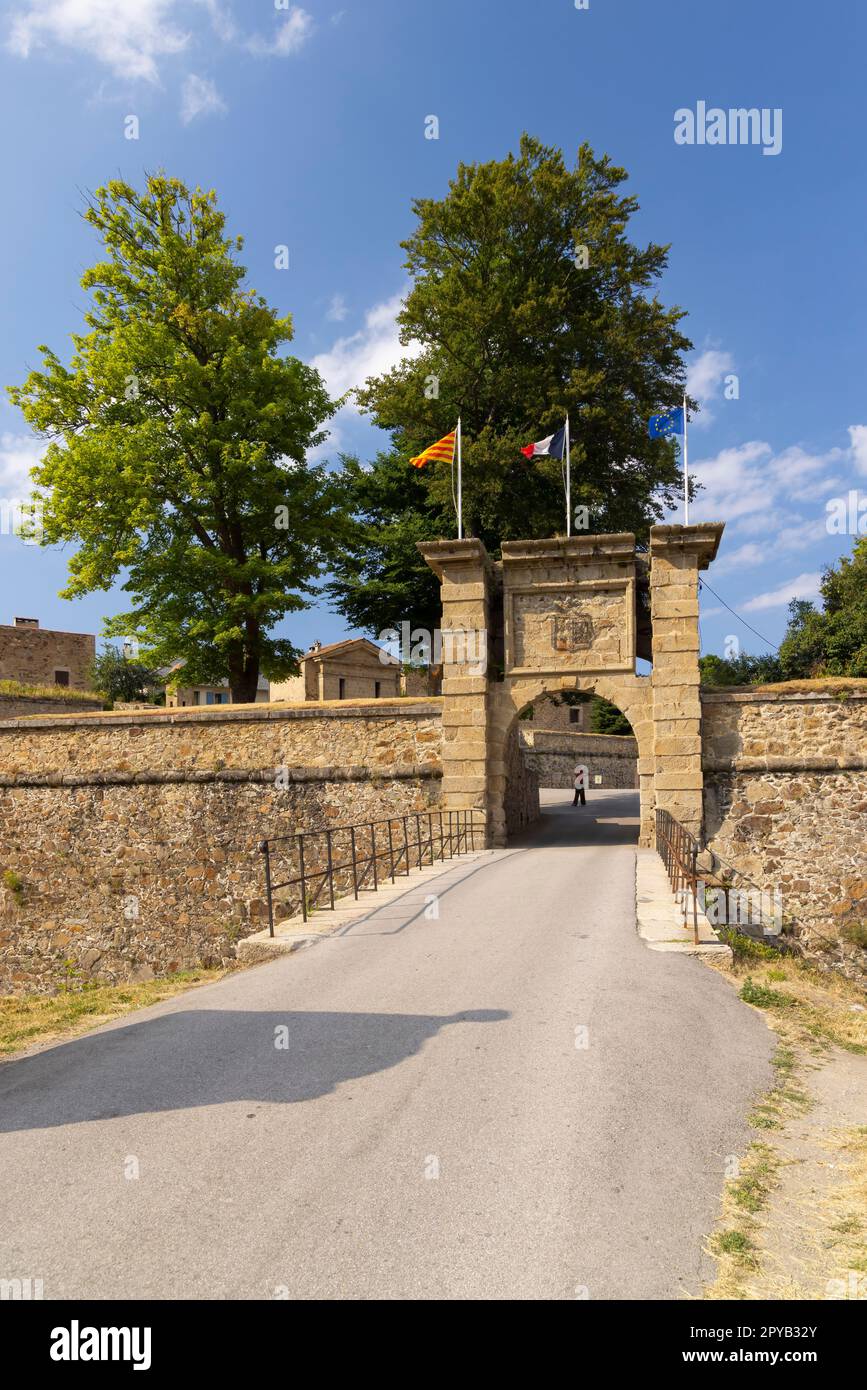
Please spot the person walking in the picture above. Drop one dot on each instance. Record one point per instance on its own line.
(579, 783)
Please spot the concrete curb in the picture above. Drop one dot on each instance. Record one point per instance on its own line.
(294, 934)
(658, 917)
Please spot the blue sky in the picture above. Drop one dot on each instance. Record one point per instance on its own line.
(309, 120)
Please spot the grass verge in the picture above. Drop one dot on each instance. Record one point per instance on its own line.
(793, 1220)
(37, 1018)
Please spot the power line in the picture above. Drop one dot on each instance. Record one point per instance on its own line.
(703, 584)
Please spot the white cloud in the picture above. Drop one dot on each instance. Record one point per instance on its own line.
(704, 378)
(736, 483)
(199, 97)
(745, 556)
(131, 37)
(752, 488)
(804, 586)
(222, 22)
(127, 38)
(374, 349)
(858, 437)
(293, 33)
(337, 309)
(773, 503)
(18, 454)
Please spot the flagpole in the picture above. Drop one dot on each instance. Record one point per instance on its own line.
(685, 467)
(568, 484)
(460, 493)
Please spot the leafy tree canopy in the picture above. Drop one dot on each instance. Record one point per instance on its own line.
(606, 718)
(743, 669)
(507, 326)
(120, 678)
(827, 642)
(833, 641)
(178, 437)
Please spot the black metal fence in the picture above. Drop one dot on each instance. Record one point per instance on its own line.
(322, 863)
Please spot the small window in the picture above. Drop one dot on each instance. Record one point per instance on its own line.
(341, 688)
(377, 685)
(574, 716)
(61, 678)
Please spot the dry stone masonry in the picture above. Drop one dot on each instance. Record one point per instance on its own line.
(785, 800)
(611, 759)
(132, 839)
(573, 614)
(129, 842)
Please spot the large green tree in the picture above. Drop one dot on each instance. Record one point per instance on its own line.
(178, 438)
(826, 641)
(527, 300)
(744, 669)
(831, 641)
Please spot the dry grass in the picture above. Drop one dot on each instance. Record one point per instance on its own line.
(47, 692)
(795, 1215)
(39, 1018)
(827, 685)
(804, 1006)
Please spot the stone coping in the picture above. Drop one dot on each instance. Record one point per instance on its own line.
(618, 545)
(403, 772)
(414, 707)
(702, 540)
(39, 702)
(739, 696)
(570, 733)
(786, 762)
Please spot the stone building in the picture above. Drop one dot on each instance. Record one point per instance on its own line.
(354, 669)
(553, 715)
(39, 656)
(181, 696)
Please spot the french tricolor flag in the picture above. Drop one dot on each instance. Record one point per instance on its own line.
(553, 447)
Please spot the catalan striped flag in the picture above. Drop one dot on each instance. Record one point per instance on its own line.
(441, 452)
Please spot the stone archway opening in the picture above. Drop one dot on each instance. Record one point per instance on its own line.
(544, 742)
(549, 739)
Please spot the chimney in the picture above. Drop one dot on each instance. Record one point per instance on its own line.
(316, 645)
(26, 622)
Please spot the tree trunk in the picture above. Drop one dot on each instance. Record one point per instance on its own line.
(244, 680)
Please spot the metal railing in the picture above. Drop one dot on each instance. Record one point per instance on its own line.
(679, 852)
(419, 837)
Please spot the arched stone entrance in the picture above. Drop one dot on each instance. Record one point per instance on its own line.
(631, 694)
(573, 614)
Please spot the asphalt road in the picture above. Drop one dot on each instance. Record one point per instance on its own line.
(434, 1126)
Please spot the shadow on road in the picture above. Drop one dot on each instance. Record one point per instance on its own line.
(611, 817)
(196, 1057)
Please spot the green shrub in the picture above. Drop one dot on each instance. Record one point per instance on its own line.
(744, 948)
(13, 882)
(765, 998)
(856, 933)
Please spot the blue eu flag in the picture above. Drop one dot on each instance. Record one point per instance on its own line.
(668, 423)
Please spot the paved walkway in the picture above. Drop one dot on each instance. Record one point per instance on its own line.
(401, 1111)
